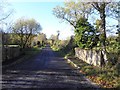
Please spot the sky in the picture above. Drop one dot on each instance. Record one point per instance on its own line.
(42, 13)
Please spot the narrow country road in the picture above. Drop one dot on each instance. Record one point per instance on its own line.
(45, 70)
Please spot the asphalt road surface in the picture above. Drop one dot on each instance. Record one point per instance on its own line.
(45, 70)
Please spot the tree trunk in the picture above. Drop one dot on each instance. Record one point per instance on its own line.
(103, 28)
(103, 32)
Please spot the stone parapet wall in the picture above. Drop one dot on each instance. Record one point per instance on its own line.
(93, 57)
(10, 53)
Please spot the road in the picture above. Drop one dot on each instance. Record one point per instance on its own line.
(45, 70)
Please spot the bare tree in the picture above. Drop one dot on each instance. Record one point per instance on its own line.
(4, 14)
(72, 11)
(105, 9)
(26, 29)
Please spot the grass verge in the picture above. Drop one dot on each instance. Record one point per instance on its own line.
(104, 77)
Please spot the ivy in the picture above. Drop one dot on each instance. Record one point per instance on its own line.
(85, 35)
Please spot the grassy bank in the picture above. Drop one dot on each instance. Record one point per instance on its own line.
(64, 51)
(105, 77)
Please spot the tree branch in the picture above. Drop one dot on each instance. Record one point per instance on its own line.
(6, 16)
(70, 22)
(96, 6)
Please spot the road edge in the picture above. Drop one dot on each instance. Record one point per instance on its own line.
(69, 61)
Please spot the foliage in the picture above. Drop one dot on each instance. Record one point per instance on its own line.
(39, 40)
(105, 9)
(26, 29)
(69, 48)
(100, 7)
(113, 49)
(53, 39)
(56, 45)
(65, 47)
(112, 10)
(105, 77)
(72, 11)
(118, 32)
(85, 35)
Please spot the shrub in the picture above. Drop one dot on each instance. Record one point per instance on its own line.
(117, 68)
(85, 35)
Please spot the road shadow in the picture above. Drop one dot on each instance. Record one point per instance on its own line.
(47, 70)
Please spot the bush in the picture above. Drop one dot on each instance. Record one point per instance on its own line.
(85, 35)
(117, 68)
